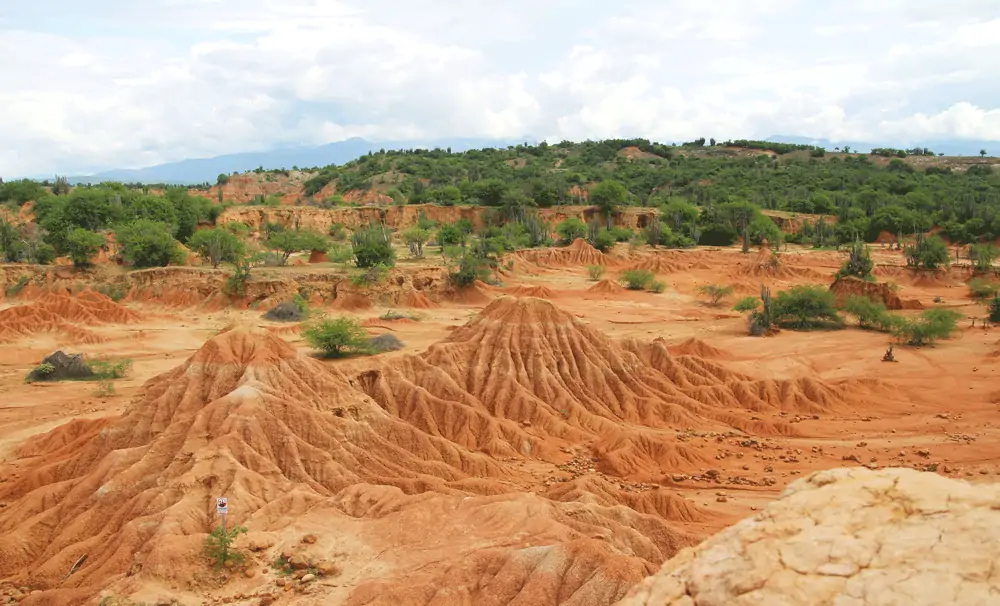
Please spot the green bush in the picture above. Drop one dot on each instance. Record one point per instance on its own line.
(219, 546)
(370, 276)
(982, 256)
(415, 238)
(148, 243)
(285, 243)
(637, 279)
(15, 289)
(373, 246)
(337, 337)
(339, 253)
(982, 289)
(995, 309)
(656, 286)
(82, 245)
(748, 303)
(602, 240)
(858, 264)
(216, 245)
(871, 315)
(806, 307)
(927, 253)
(932, 325)
(451, 235)
(716, 292)
(470, 268)
(571, 229)
(595, 272)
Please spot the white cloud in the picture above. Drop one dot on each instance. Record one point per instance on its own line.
(131, 84)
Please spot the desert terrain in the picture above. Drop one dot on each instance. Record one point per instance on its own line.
(550, 439)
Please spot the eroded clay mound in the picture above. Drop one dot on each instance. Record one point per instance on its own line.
(63, 314)
(844, 288)
(525, 378)
(846, 536)
(696, 347)
(246, 416)
(607, 287)
(579, 253)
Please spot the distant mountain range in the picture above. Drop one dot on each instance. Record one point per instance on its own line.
(201, 170)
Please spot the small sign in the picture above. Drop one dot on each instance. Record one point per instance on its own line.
(222, 506)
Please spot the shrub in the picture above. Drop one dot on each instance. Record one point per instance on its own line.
(599, 237)
(386, 342)
(337, 337)
(760, 320)
(930, 326)
(236, 283)
(107, 369)
(871, 315)
(337, 231)
(928, 253)
(995, 309)
(371, 276)
(216, 245)
(339, 253)
(288, 242)
(982, 256)
(858, 264)
(621, 233)
(82, 245)
(451, 235)
(571, 229)
(15, 289)
(470, 268)
(656, 286)
(637, 279)
(595, 272)
(148, 243)
(219, 546)
(806, 307)
(415, 238)
(981, 289)
(373, 246)
(716, 292)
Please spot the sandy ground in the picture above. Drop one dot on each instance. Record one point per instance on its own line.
(937, 409)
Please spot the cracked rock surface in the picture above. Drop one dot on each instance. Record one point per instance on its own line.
(847, 537)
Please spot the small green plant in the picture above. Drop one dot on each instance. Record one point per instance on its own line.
(858, 264)
(805, 308)
(716, 292)
(470, 268)
(15, 289)
(760, 321)
(337, 337)
(656, 286)
(595, 272)
(871, 315)
(339, 253)
(107, 369)
(44, 370)
(637, 279)
(282, 566)
(104, 389)
(219, 546)
(931, 326)
(115, 292)
(982, 289)
(994, 308)
(370, 276)
(236, 283)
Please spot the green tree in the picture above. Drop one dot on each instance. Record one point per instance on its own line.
(927, 253)
(451, 235)
(10, 241)
(285, 243)
(219, 546)
(147, 243)
(336, 337)
(216, 245)
(982, 256)
(858, 264)
(571, 229)
(372, 246)
(415, 238)
(609, 196)
(82, 245)
(716, 292)
(806, 307)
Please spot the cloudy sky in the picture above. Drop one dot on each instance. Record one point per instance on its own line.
(129, 83)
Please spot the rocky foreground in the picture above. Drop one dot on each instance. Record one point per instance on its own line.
(846, 537)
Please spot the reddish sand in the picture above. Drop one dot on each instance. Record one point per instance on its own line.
(545, 441)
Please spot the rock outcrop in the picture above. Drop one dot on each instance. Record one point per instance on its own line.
(846, 537)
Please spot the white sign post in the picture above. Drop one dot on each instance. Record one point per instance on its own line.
(222, 508)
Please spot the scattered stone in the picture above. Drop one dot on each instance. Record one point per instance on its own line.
(309, 538)
(309, 577)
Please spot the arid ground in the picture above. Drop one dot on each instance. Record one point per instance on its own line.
(551, 440)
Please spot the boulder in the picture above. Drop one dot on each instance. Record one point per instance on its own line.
(846, 536)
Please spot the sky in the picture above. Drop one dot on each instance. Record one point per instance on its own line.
(126, 84)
